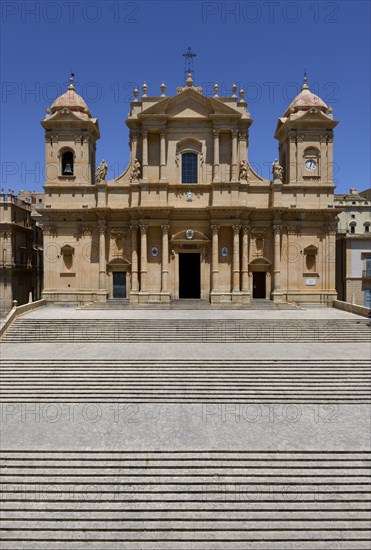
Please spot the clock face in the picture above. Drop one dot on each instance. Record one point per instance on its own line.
(310, 165)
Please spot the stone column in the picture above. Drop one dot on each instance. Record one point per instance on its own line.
(215, 258)
(234, 155)
(165, 259)
(245, 260)
(134, 146)
(2, 240)
(8, 248)
(145, 155)
(143, 257)
(102, 255)
(277, 260)
(134, 259)
(236, 259)
(242, 145)
(162, 155)
(216, 175)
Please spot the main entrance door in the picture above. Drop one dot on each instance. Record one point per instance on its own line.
(258, 282)
(189, 276)
(119, 284)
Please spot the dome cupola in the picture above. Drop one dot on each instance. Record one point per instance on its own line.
(72, 101)
(305, 100)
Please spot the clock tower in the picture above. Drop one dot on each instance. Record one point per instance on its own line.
(305, 135)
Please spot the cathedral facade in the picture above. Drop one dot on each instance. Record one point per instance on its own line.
(189, 217)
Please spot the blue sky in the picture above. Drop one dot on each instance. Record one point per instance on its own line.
(113, 46)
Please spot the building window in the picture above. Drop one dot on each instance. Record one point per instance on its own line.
(367, 298)
(189, 167)
(352, 229)
(367, 228)
(67, 163)
(353, 216)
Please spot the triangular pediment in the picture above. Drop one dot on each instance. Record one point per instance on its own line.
(190, 107)
(65, 114)
(314, 114)
(118, 261)
(189, 104)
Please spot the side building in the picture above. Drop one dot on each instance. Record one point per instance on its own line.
(353, 247)
(189, 217)
(21, 245)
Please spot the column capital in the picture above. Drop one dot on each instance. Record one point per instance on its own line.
(216, 132)
(162, 132)
(277, 228)
(134, 226)
(134, 135)
(292, 230)
(165, 228)
(215, 228)
(245, 229)
(242, 135)
(144, 132)
(236, 229)
(102, 227)
(234, 133)
(143, 228)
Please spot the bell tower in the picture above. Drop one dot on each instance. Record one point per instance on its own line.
(70, 139)
(305, 135)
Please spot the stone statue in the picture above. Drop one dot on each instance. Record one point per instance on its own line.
(243, 170)
(101, 171)
(135, 171)
(277, 170)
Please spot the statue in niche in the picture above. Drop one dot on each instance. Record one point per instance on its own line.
(243, 170)
(101, 172)
(135, 171)
(277, 170)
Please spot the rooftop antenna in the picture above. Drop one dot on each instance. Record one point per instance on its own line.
(188, 62)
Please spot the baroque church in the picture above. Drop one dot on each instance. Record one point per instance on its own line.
(189, 217)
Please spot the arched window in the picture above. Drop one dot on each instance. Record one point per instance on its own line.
(189, 168)
(67, 163)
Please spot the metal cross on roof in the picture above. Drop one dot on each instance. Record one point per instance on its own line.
(188, 67)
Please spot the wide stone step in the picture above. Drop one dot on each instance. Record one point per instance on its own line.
(186, 304)
(188, 330)
(247, 504)
(186, 381)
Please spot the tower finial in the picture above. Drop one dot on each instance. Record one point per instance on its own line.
(72, 79)
(305, 79)
(188, 63)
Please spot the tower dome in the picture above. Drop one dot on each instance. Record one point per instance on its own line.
(72, 101)
(305, 100)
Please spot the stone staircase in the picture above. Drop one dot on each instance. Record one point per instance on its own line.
(186, 381)
(180, 477)
(185, 500)
(186, 304)
(188, 330)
